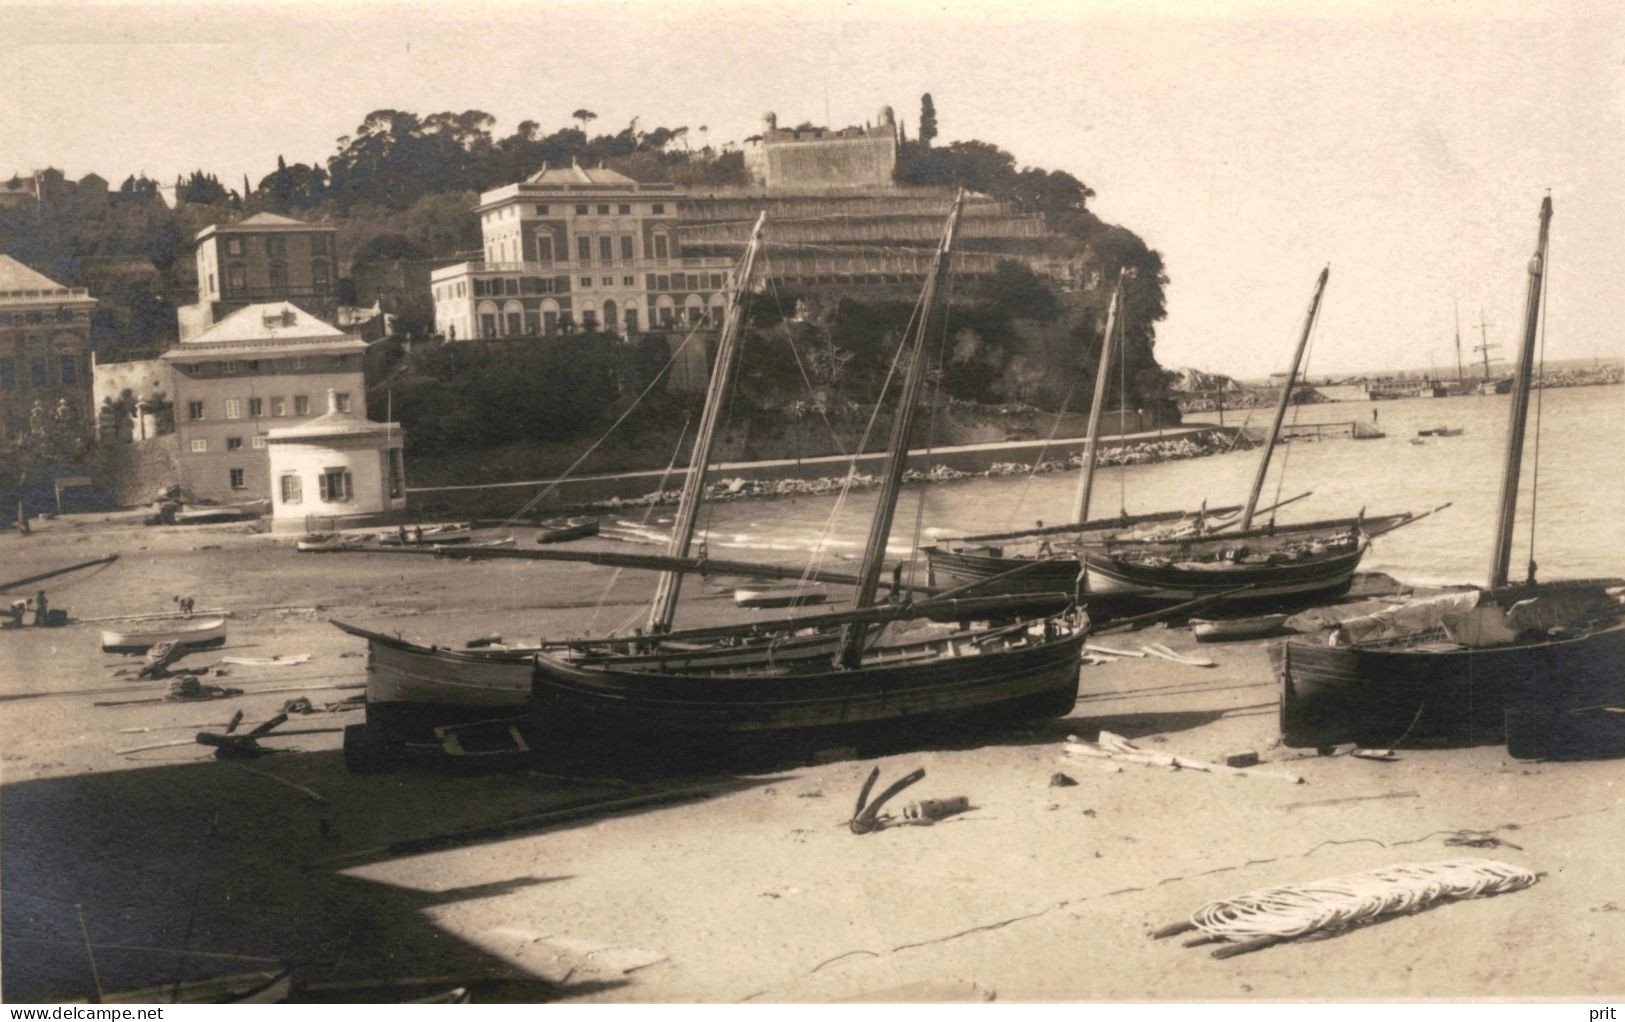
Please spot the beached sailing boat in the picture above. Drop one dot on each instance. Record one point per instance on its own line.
(1049, 558)
(1459, 667)
(413, 688)
(1204, 561)
(1023, 669)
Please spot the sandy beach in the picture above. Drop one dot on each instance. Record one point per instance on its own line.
(635, 878)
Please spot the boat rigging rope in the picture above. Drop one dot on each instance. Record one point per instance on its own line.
(547, 491)
(648, 513)
(1540, 393)
(816, 554)
(1038, 459)
(1336, 903)
(795, 353)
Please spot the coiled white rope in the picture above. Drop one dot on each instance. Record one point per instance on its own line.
(1295, 910)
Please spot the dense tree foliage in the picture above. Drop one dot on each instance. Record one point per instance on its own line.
(402, 186)
(471, 396)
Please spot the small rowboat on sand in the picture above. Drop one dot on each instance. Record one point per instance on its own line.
(1261, 627)
(322, 542)
(427, 535)
(761, 597)
(562, 530)
(487, 544)
(189, 632)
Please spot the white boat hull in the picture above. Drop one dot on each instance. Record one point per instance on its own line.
(192, 633)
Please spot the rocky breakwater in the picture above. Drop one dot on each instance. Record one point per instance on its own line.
(1145, 453)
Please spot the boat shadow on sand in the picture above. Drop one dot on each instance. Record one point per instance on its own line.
(197, 870)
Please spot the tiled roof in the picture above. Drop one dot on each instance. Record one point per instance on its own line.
(266, 222)
(576, 174)
(268, 328)
(271, 218)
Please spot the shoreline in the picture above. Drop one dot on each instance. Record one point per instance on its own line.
(756, 480)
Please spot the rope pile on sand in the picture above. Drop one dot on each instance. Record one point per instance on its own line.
(1271, 915)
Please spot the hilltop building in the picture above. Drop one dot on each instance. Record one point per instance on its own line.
(264, 258)
(51, 187)
(263, 366)
(576, 248)
(795, 159)
(44, 345)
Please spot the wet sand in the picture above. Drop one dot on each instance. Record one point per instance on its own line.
(714, 884)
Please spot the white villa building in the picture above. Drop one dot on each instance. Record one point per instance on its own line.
(337, 466)
(573, 248)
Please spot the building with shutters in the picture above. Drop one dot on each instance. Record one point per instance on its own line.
(264, 366)
(579, 249)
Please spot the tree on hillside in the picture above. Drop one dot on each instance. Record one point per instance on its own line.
(928, 120)
(200, 189)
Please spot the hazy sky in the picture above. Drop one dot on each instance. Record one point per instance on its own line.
(1407, 144)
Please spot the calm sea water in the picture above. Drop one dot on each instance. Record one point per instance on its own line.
(1580, 527)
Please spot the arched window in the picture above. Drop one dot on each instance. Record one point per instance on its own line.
(665, 310)
(514, 315)
(693, 310)
(610, 310)
(488, 319)
(550, 316)
(719, 309)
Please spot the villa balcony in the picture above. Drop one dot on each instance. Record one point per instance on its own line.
(570, 266)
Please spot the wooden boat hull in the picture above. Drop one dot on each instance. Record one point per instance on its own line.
(437, 535)
(923, 683)
(950, 569)
(779, 597)
(211, 515)
(412, 689)
(1111, 578)
(1394, 696)
(562, 531)
(318, 546)
(1116, 577)
(191, 633)
(1263, 626)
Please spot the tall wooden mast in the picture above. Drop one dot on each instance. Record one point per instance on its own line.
(688, 507)
(1501, 556)
(874, 553)
(1286, 398)
(1091, 448)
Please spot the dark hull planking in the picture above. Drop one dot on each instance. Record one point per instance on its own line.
(921, 684)
(1390, 697)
